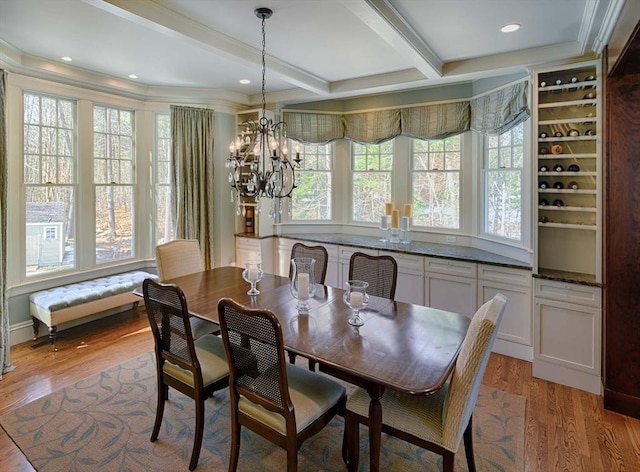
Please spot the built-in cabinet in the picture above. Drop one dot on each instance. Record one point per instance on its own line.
(568, 168)
(446, 284)
(256, 249)
(568, 237)
(568, 334)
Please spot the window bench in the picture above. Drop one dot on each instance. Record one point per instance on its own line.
(74, 301)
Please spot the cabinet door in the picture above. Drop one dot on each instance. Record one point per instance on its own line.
(567, 344)
(450, 293)
(247, 250)
(284, 256)
(410, 286)
(517, 321)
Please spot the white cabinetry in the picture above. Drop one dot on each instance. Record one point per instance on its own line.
(569, 168)
(567, 347)
(344, 257)
(410, 286)
(284, 260)
(255, 249)
(450, 285)
(515, 333)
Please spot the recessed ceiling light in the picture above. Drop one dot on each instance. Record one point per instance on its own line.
(510, 28)
(245, 81)
(66, 58)
(132, 76)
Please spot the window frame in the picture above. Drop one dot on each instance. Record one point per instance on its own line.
(459, 172)
(353, 172)
(525, 190)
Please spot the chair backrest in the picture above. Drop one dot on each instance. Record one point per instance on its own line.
(319, 253)
(381, 272)
(169, 319)
(255, 351)
(469, 370)
(179, 257)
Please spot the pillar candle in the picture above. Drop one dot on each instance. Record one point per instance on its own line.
(387, 208)
(395, 218)
(356, 299)
(407, 210)
(405, 223)
(303, 286)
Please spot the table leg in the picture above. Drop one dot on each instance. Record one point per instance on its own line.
(375, 426)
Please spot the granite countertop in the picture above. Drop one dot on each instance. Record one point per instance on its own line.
(445, 251)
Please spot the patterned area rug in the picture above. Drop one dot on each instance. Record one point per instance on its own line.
(104, 423)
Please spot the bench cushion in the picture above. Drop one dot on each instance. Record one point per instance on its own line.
(58, 298)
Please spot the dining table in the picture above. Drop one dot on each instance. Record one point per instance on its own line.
(405, 347)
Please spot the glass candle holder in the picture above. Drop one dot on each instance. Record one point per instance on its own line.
(356, 298)
(395, 236)
(303, 282)
(253, 274)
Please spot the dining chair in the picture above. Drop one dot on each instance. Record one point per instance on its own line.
(319, 253)
(380, 272)
(436, 422)
(183, 257)
(195, 368)
(284, 403)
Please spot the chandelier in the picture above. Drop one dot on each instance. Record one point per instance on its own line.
(258, 163)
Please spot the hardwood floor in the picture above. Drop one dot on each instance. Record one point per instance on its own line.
(566, 429)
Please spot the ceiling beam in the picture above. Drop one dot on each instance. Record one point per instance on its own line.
(385, 21)
(159, 18)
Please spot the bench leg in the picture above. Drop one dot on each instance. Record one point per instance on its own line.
(36, 327)
(52, 338)
(135, 305)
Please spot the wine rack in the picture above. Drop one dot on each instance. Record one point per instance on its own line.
(567, 123)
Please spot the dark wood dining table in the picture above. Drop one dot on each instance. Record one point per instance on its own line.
(405, 347)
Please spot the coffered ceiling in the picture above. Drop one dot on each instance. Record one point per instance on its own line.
(316, 49)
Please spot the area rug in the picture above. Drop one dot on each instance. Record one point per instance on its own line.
(104, 423)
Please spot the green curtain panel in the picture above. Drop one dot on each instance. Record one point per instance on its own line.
(192, 192)
(5, 351)
(499, 111)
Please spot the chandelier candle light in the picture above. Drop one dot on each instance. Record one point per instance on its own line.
(258, 163)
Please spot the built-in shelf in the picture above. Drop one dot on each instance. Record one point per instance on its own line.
(568, 208)
(570, 87)
(584, 102)
(585, 120)
(568, 173)
(552, 139)
(568, 226)
(589, 155)
(567, 190)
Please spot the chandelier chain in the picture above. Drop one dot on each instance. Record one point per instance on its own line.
(264, 67)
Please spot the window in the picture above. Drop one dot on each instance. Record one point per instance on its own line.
(165, 230)
(311, 200)
(50, 232)
(502, 177)
(371, 166)
(436, 182)
(113, 179)
(49, 173)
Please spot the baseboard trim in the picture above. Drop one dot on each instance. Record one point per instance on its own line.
(566, 376)
(622, 403)
(519, 351)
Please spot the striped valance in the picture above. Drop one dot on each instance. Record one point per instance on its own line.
(491, 113)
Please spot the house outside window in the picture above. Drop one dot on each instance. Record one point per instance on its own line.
(436, 176)
(50, 232)
(502, 183)
(371, 166)
(113, 167)
(49, 182)
(311, 200)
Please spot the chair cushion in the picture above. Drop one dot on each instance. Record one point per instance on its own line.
(312, 395)
(200, 327)
(418, 415)
(213, 362)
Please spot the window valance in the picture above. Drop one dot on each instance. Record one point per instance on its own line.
(491, 113)
(501, 110)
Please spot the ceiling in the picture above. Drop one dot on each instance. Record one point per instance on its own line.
(316, 49)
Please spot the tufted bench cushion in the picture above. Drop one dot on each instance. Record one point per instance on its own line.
(70, 302)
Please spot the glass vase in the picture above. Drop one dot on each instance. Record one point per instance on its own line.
(303, 283)
(356, 298)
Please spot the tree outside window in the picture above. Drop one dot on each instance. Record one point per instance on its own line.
(165, 230)
(113, 179)
(503, 167)
(372, 166)
(436, 182)
(311, 200)
(49, 171)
